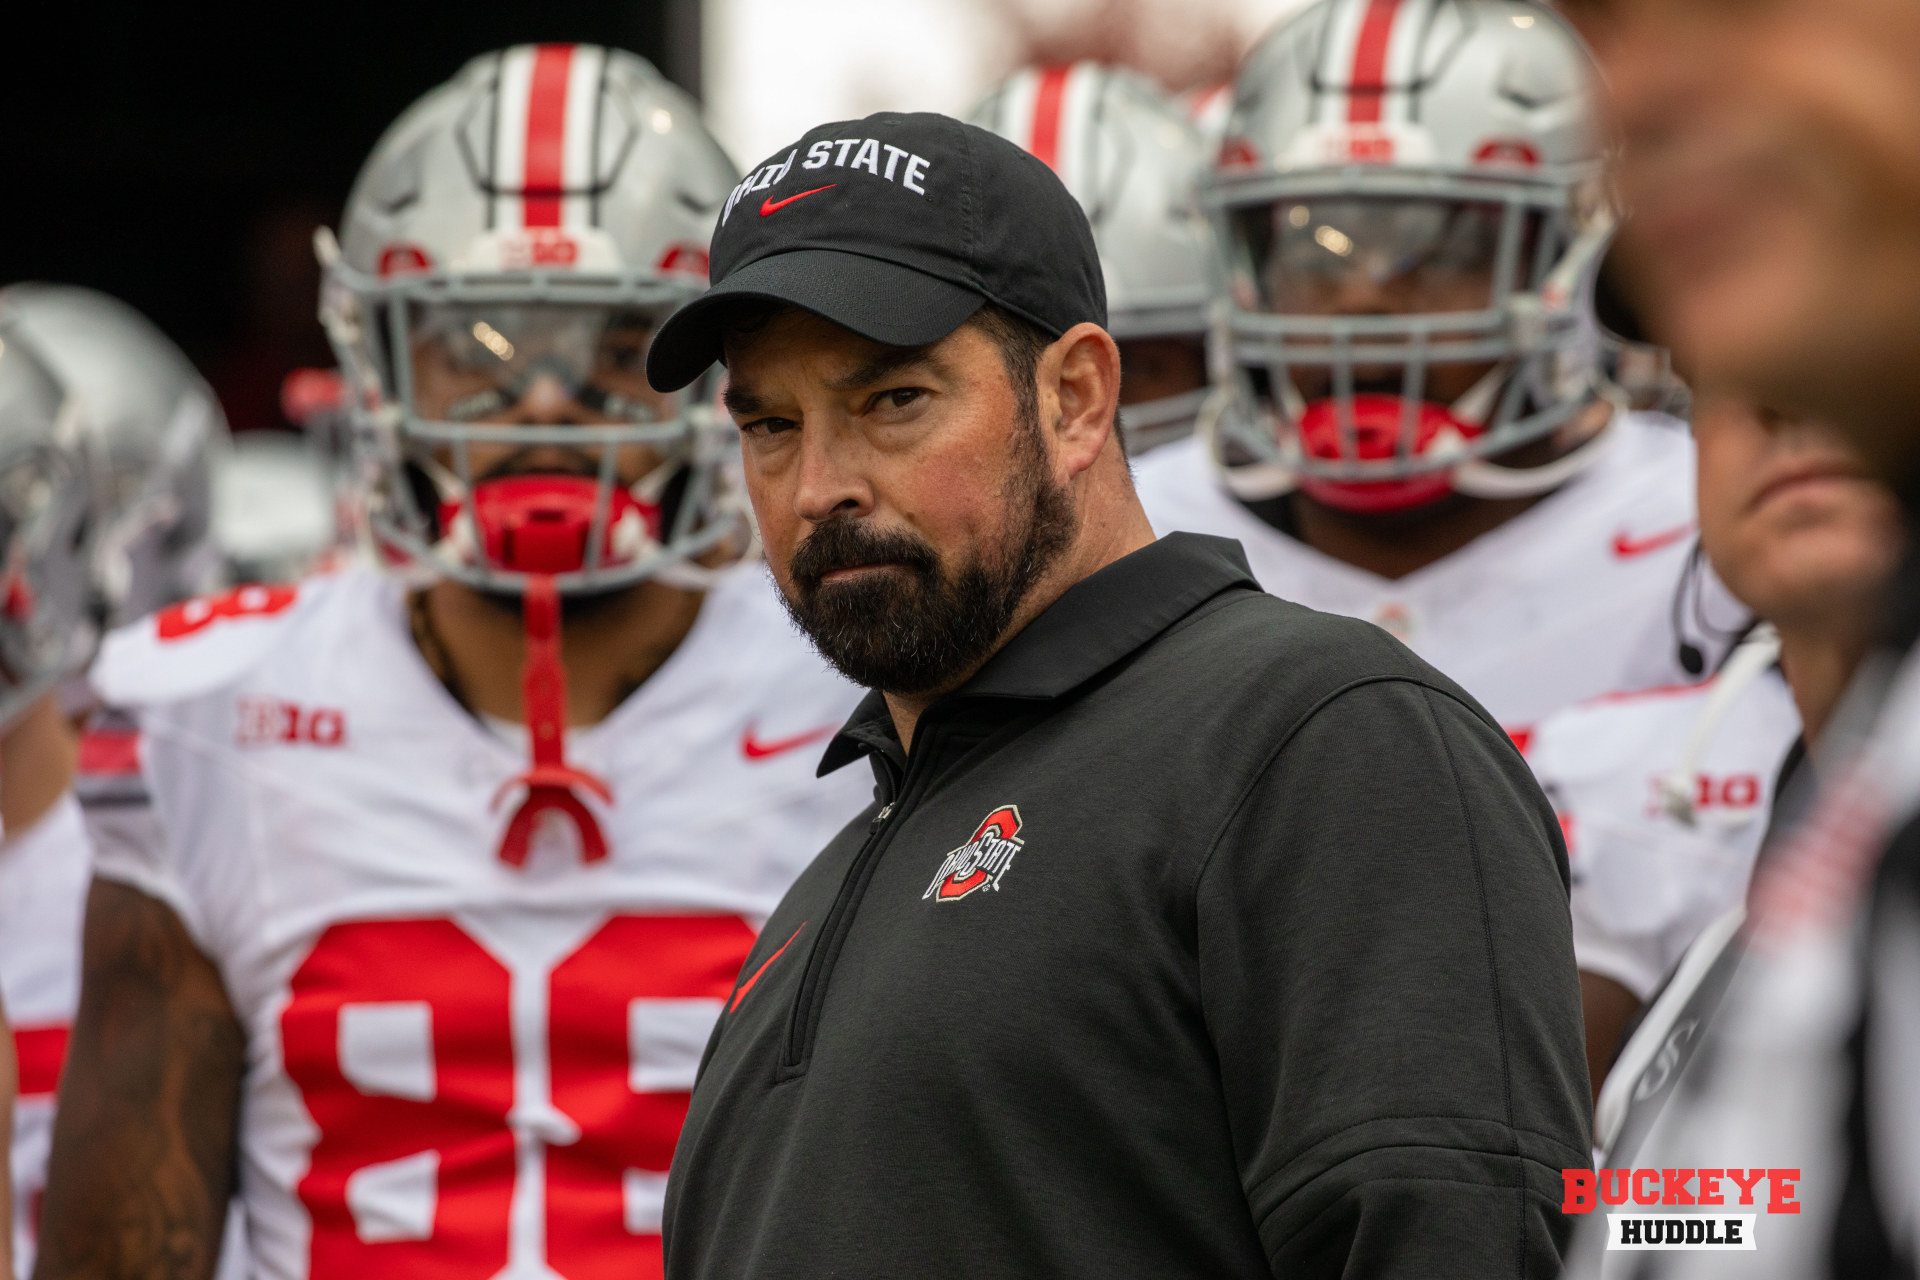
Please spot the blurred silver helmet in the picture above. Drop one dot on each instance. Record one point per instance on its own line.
(1409, 200)
(276, 508)
(48, 622)
(517, 234)
(1132, 156)
(153, 427)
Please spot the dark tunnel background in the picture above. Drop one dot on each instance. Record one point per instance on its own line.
(180, 157)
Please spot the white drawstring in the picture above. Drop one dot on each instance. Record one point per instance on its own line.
(1748, 662)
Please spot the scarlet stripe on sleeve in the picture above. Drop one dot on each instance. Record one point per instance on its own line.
(41, 1051)
(110, 752)
(545, 156)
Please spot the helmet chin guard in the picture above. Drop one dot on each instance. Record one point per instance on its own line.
(1375, 432)
(544, 524)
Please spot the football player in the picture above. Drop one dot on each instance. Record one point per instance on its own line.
(1131, 156)
(1412, 426)
(1665, 794)
(151, 428)
(276, 513)
(284, 502)
(47, 633)
(444, 873)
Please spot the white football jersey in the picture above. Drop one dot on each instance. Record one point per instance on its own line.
(1569, 600)
(43, 895)
(457, 1066)
(1661, 844)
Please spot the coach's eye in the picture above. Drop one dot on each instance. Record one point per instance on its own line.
(767, 426)
(898, 397)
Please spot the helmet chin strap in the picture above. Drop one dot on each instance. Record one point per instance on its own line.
(552, 784)
(1248, 481)
(1484, 478)
(1480, 478)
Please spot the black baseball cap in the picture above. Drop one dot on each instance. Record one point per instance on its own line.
(898, 227)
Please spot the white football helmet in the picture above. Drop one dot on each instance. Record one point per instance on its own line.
(1409, 199)
(154, 428)
(516, 235)
(1132, 157)
(49, 624)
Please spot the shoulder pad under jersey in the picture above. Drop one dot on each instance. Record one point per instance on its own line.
(1615, 730)
(199, 645)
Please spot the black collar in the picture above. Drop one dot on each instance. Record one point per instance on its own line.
(1095, 623)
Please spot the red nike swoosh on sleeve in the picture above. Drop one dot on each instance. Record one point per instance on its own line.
(1626, 546)
(754, 748)
(747, 986)
(769, 205)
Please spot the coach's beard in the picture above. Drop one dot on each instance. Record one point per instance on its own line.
(920, 625)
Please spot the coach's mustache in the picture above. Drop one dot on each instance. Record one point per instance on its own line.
(850, 544)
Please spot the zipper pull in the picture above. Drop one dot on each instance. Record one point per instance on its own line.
(880, 818)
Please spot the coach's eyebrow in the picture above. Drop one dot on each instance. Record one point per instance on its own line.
(886, 364)
(742, 402)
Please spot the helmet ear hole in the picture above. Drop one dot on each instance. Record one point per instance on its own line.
(426, 497)
(671, 496)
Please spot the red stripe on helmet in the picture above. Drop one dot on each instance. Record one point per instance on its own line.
(1048, 98)
(40, 1052)
(544, 165)
(1367, 86)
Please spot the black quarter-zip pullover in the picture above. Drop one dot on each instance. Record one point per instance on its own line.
(1200, 935)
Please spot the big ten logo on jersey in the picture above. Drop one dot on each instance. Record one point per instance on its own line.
(264, 722)
(190, 617)
(508, 1105)
(1733, 795)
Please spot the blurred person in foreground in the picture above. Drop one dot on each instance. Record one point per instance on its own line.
(1131, 156)
(1769, 155)
(1413, 424)
(1666, 795)
(1190, 932)
(433, 875)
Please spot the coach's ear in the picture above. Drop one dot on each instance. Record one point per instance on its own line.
(1079, 383)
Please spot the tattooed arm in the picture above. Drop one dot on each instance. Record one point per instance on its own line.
(143, 1142)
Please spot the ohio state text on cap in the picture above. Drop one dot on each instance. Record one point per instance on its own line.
(897, 227)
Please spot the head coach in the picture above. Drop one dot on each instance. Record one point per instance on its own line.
(1191, 932)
